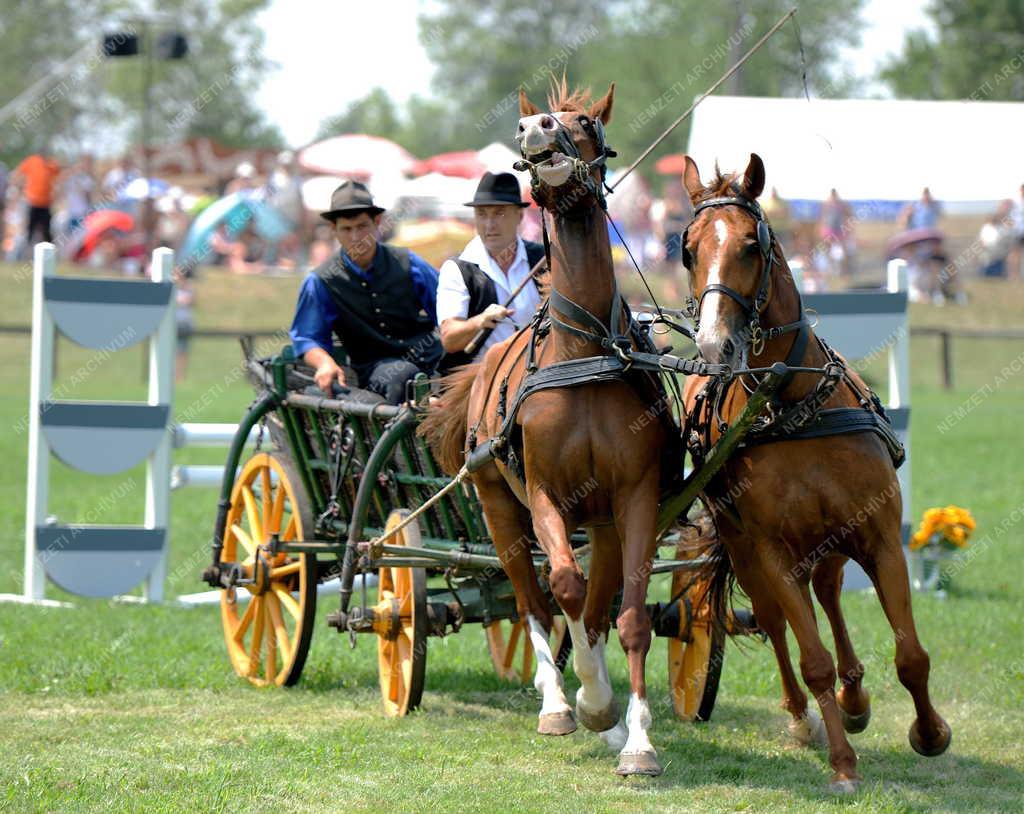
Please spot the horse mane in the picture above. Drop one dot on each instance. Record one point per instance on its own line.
(720, 185)
(560, 98)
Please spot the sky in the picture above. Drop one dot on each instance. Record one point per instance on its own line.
(338, 49)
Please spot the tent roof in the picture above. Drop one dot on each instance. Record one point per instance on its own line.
(868, 149)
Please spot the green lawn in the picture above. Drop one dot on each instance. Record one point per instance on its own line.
(108, 707)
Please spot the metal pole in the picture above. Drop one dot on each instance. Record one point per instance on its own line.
(147, 203)
(947, 360)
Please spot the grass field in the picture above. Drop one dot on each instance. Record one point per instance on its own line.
(113, 707)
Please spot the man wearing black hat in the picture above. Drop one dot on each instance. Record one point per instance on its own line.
(379, 300)
(474, 286)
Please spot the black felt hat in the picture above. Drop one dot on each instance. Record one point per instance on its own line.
(350, 199)
(497, 190)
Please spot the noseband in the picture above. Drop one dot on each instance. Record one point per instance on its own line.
(752, 308)
(581, 169)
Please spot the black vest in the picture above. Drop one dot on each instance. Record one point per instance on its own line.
(381, 317)
(482, 292)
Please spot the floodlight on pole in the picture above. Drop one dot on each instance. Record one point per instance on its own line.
(169, 45)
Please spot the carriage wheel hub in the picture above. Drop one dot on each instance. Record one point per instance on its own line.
(387, 621)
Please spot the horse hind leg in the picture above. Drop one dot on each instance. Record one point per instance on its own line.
(596, 707)
(805, 726)
(508, 523)
(854, 701)
(816, 666)
(929, 734)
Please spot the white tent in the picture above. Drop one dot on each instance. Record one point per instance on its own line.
(868, 149)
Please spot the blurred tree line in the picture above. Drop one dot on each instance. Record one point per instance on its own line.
(976, 53)
(87, 102)
(661, 56)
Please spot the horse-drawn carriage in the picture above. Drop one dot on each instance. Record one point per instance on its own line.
(576, 422)
(320, 501)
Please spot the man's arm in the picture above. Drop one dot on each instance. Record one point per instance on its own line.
(424, 283)
(457, 327)
(311, 332)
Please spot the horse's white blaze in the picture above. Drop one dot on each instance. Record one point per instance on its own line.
(547, 679)
(712, 332)
(595, 693)
(638, 721)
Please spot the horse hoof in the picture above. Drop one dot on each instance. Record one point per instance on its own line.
(641, 763)
(602, 720)
(808, 729)
(556, 723)
(844, 785)
(855, 723)
(940, 745)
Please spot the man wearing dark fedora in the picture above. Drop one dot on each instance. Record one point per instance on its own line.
(379, 300)
(475, 286)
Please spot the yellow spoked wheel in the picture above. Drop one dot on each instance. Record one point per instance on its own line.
(268, 624)
(695, 655)
(400, 621)
(512, 651)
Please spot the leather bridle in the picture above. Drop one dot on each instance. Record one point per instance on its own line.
(581, 169)
(752, 307)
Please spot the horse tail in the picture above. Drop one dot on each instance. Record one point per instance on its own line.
(721, 587)
(445, 424)
(716, 575)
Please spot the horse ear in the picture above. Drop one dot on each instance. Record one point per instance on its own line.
(753, 177)
(691, 178)
(526, 107)
(602, 108)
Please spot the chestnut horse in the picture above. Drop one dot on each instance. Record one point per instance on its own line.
(808, 504)
(581, 463)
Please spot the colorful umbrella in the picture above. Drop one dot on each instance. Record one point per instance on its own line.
(355, 155)
(142, 188)
(99, 223)
(236, 211)
(671, 164)
(462, 164)
(911, 237)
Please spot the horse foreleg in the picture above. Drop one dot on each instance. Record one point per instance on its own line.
(596, 708)
(569, 588)
(635, 517)
(508, 523)
(854, 701)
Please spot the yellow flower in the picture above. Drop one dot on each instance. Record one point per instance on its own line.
(951, 523)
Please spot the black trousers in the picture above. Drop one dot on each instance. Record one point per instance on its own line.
(39, 219)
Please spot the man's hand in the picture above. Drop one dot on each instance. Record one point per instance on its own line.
(327, 373)
(492, 315)
(543, 281)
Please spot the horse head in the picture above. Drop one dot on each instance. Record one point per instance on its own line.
(565, 149)
(729, 250)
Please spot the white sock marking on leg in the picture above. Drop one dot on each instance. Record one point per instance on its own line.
(547, 679)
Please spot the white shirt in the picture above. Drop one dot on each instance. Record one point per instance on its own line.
(453, 296)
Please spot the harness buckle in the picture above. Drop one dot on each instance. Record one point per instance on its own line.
(757, 338)
(621, 346)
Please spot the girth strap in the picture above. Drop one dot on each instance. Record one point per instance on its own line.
(835, 421)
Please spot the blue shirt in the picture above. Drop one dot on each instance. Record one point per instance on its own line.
(315, 313)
